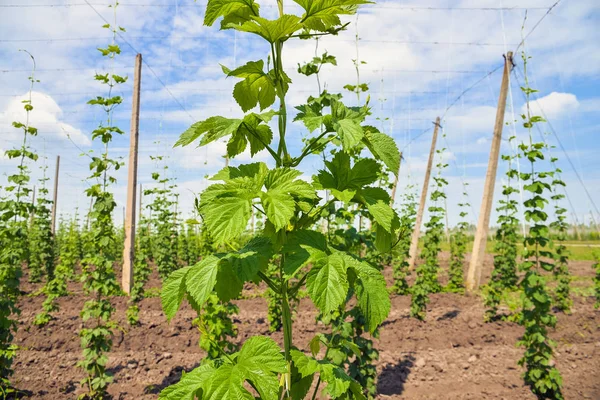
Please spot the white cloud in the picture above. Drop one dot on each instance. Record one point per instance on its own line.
(555, 105)
(45, 116)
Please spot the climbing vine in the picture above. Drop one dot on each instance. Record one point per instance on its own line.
(504, 275)
(408, 215)
(458, 247)
(164, 245)
(427, 272)
(141, 269)
(41, 242)
(41, 253)
(541, 375)
(98, 275)
(292, 208)
(560, 227)
(15, 210)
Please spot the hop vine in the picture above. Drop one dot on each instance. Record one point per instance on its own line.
(15, 211)
(504, 275)
(541, 375)
(427, 273)
(98, 275)
(458, 247)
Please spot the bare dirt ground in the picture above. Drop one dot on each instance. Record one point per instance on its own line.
(452, 355)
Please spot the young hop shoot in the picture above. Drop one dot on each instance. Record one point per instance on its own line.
(427, 272)
(141, 269)
(408, 215)
(562, 292)
(163, 221)
(541, 375)
(504, 275)
(291, 207)
(458, 247)
(98, 275)
(15, 210)
(41, 244)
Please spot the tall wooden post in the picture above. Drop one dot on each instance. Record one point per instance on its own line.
(129, 223)
(475, 266)
(395, 186)
(414, 243)
(55, 199)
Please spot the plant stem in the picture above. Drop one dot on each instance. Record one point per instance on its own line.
(286, 318)
(314, 396)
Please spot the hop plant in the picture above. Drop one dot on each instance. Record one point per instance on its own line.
(291, 208)
(41, 241)
(541, 375)
(42, 254)
(504, 275)
(98, 275)
(163, 221)
(216, 327)
(458, 247)
(15, 210)
(400, 263)
(562, 292)
(141, 270)
(427, 272)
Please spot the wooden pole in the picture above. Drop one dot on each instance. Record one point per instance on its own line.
(55, 199)
(475, 265)
(414, 243)
(393, 197)
(129, 223)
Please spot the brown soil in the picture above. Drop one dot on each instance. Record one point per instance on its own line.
(453, 355)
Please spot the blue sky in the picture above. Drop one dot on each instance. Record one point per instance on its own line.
(420, 56)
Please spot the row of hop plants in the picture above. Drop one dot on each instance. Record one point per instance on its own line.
(544, 254)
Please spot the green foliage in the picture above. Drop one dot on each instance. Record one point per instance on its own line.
(348, 348)
(182, 246)
(541, 375)
(274, 312)
(427, 273)
(291, 208)
(41, 242)
(14, 216)
(192, 239)
(458, 247)
(98, 275)
(562, 292)
(41, 253)
(504, 275)
(216, 327)
(141, 270)
(400, 262)
(164, 246)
